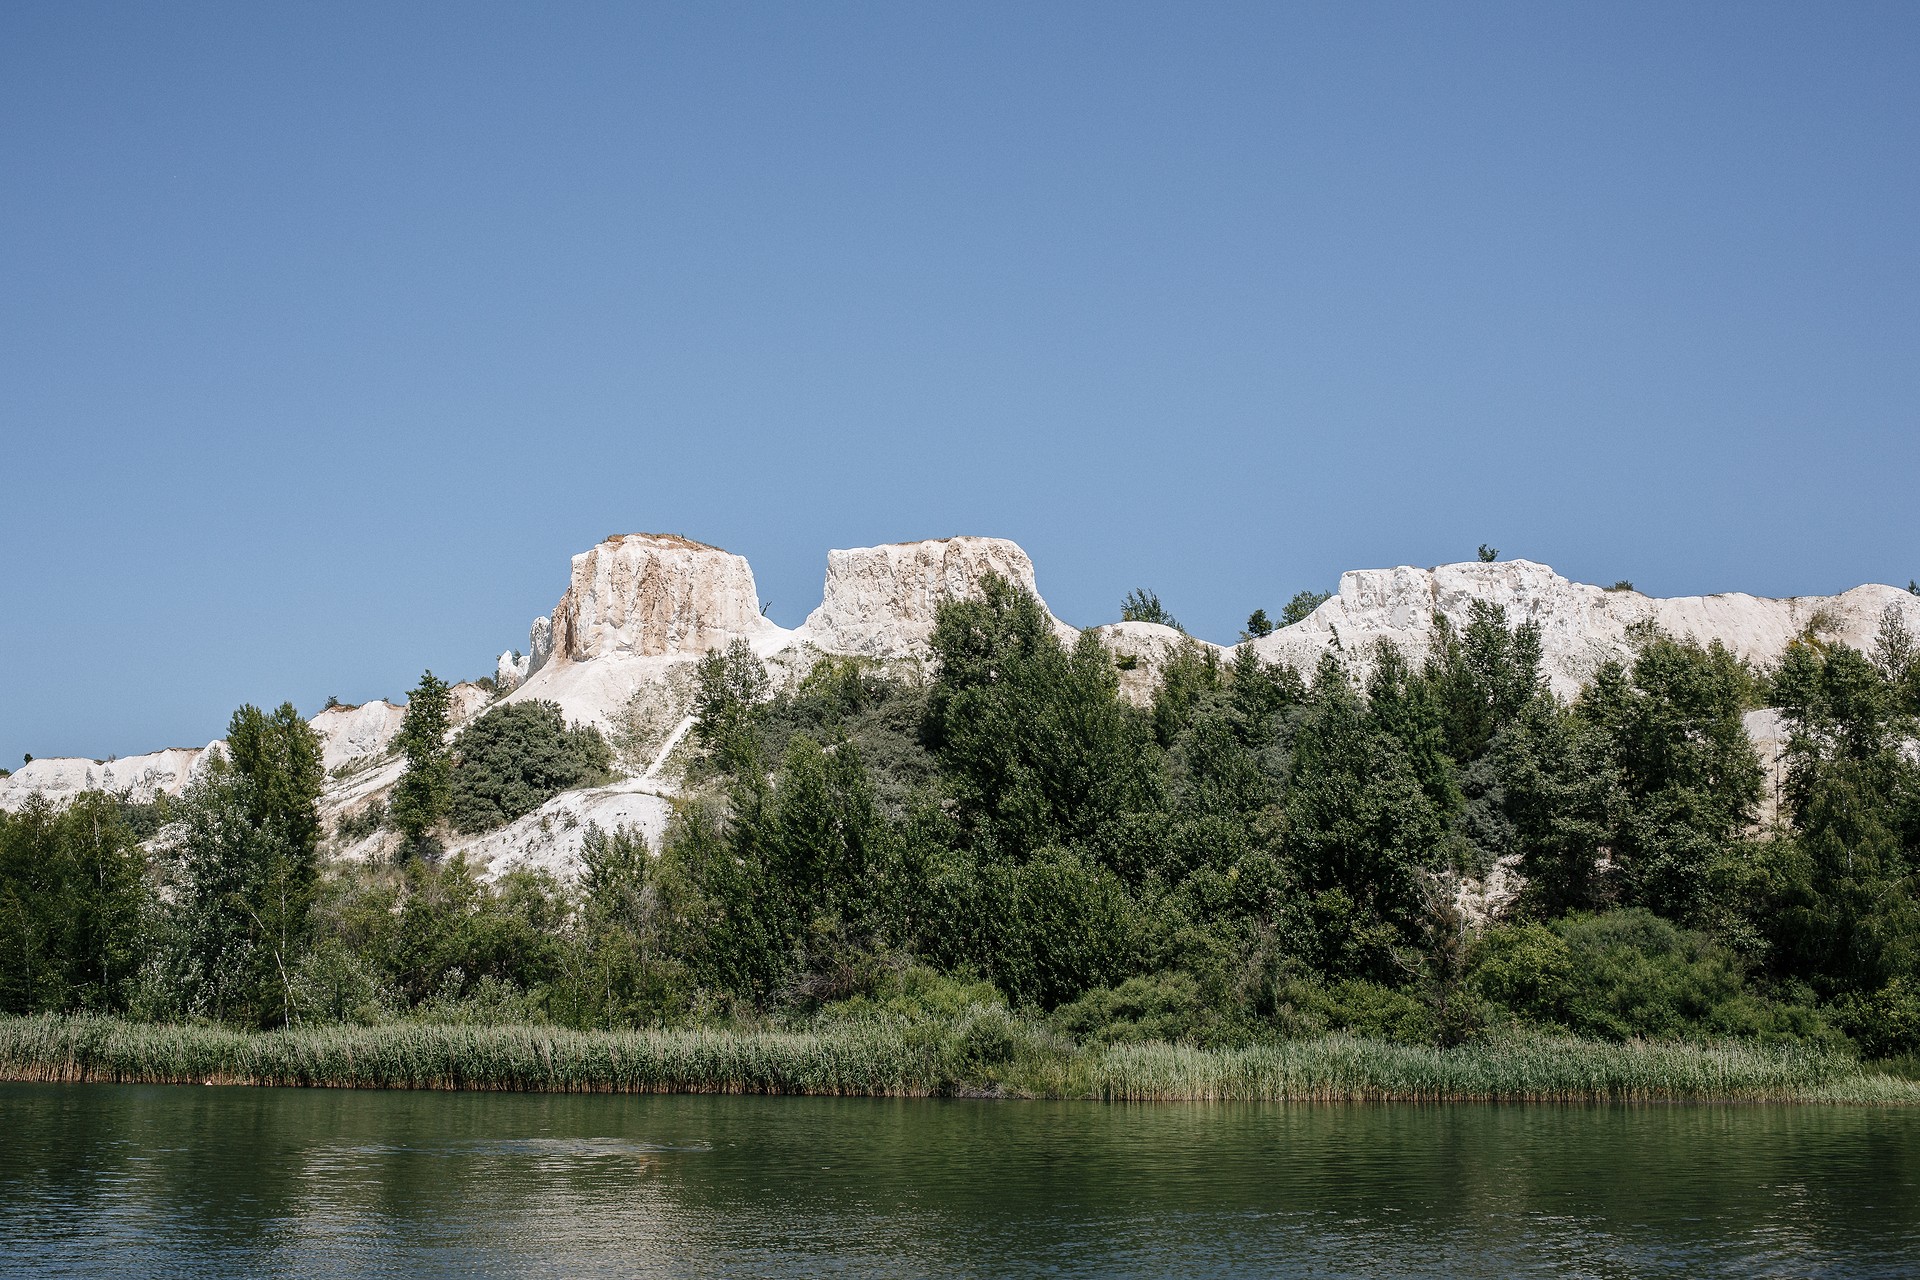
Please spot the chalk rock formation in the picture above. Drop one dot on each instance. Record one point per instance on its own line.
(551, 837)
(1141, 651)
(653, 594)
(539, 643)
(349, 733)
(1581, 626)
(638, 607)
(140, 778)
(880, 601)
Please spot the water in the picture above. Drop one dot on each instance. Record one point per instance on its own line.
(107, 1180)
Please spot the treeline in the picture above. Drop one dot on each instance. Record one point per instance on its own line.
(1255, 855)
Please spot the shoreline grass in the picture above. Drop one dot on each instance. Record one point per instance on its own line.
(899, 1060)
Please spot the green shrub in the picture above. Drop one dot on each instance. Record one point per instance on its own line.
(1302, 605)
(1629, 973)
(515, 758)
(361, 823)
(1884, 1023)
(1163, 1006)
(1355, 1006)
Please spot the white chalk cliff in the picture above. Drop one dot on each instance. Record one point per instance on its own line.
(639, 610)
(880, 602)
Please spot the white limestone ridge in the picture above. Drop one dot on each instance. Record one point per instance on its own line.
(351, 738)
(639, 606)
(140, 778)
(1581, 626)
(638, 610)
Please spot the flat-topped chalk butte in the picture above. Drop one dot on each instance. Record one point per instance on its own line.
(880, 602)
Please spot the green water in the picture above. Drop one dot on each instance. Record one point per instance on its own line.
(219, 1182)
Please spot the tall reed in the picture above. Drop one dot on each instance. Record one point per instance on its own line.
(1339, 1068)
(892, 1059)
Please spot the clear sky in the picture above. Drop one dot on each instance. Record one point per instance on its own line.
(329, 332)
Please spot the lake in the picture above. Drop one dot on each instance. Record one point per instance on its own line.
(157, 1181)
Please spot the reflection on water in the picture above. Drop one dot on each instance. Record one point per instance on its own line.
(241, 1182)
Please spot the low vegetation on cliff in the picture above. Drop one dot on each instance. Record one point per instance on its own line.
(1005, 855)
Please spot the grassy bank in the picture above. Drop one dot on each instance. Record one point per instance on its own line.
(879, 1059)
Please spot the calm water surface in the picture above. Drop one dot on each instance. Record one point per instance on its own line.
(111, 1180)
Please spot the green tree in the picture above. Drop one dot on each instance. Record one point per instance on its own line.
(1037, 746)
(421, 797)
(1302, 606)
(1062, 926)
(1358, 820)
(1258, 625)
(623, 967)
(730, 708)
(246, 859)
(1897, 655)
(1842, 892)
(76, 906)
(1142, 605)
(1482, 677)
(1405, 706)
(1669, 731)
(515, 758)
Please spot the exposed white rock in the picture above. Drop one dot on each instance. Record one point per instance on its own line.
(1767, 729)
(550, 838)
(656, 594)
(539, 643)
(510, 671)
(1581, 626)
(880, 602)
(1141, 651)
(352, 733)
(350, 736)
(639, 608)
(140, 778)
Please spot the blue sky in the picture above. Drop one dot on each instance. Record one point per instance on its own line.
(330, 332)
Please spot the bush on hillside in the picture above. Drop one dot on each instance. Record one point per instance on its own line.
(515, 758)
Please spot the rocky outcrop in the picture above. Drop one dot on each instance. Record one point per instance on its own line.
(139, 778)
(550, 838)
(1581, 626)
(1141, 651)
(349, 733)
(880, 602)
(638, 607)
(349, 736)
(652, 595)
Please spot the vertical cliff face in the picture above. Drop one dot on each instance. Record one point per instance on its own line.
(650, 595)
(880, 602)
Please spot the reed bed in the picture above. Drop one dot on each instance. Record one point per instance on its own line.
(1339, 1068)
(850, 1061)
(882, 1059)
